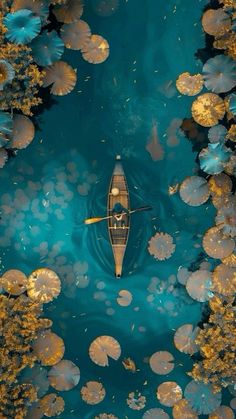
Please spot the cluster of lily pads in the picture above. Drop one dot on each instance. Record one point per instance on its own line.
(216, 109)
(41, 287)
(218, 159)
(28, 28)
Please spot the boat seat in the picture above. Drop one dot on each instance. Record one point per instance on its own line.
(120, 193)
(118, 228)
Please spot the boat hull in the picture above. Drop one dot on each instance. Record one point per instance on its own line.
(118, 234)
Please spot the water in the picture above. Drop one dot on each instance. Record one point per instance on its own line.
(63, 177)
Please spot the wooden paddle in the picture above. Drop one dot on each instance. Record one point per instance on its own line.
(98, 219)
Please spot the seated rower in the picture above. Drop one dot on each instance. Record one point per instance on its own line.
(119, 212)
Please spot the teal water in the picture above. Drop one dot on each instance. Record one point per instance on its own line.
(63, 177)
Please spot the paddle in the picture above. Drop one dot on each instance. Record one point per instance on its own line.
(98, 219)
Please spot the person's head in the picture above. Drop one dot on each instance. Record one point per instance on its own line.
(118, 207)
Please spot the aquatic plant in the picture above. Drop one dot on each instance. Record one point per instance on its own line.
(93, 392)
(161, 362)
(14, 282)
(220, 184)
(182, 410)
(217, 134)
(230, 166)
(51, 405)
(103, 347)
(48, 348)
(222, 412)
(232, 104)
(75, 35)
(96, 51)
(213, 158)
(43, 285)
(64, 376)
(55, 2)
(47, 48)
(22, 92)
(201, 397)
(37, 7)
(36, 376)
(216, 22)
(199, 285)
(227, 43)
(6, 126)
(69, 11)
(25, 339)
(61, 77)
(228, 4)
(7, 73)
(226, 218)
(3, 157)
(183, 275)
(215, 367)
(184, 339)
(169, 393)
(219, 74)
(231, 135)
(217, 346)
(161, 246)
(105, 416)
(23, 132)
(194, 190)
(20, 322)
(208, 109)
(230, 260)
(125, 298)
(189, 85)
(16, 399)
(216, 245)
(22, 26)
(155, 413)
(136, 401)
(224, 280)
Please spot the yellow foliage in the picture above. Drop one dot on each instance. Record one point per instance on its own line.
(217, 342)
(20, 323)
(22, 93)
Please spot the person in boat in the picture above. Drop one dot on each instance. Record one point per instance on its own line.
(119, 213)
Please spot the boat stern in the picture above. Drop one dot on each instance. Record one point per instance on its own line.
(118, 271)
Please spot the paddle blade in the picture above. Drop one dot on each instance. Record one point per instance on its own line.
(93, 220)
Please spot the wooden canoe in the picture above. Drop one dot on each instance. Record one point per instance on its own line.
(119, 235)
